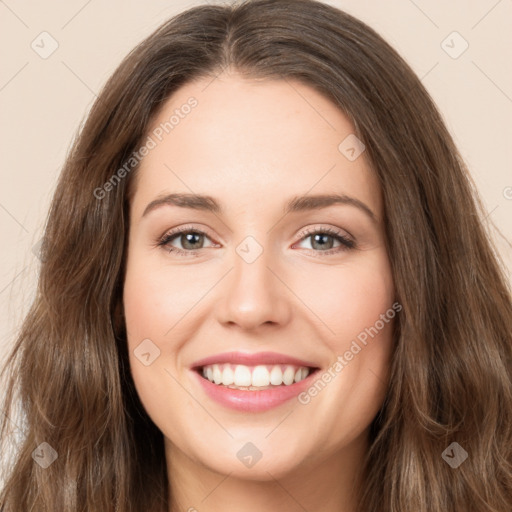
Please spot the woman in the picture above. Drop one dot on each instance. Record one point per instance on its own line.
(265, 284)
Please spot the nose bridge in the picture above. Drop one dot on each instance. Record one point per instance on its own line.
(254, 295)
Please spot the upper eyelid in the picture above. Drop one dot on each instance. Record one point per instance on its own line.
(319, 229)
(186, 229)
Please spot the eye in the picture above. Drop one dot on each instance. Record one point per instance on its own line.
(324, 239)
(191, 240)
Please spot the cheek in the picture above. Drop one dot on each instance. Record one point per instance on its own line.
(157, 299)
(150, 306)
(356, 303)
(144, 301)
(351, 298)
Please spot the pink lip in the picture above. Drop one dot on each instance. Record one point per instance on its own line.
(253, 401)
(252, 359)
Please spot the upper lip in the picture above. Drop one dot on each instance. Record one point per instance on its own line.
(254, 359)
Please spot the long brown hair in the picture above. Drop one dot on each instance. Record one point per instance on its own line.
(451, 374)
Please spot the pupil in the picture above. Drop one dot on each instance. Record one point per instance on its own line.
(189, 240)
(324, 245)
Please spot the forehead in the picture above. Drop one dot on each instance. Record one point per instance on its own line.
(251, 141)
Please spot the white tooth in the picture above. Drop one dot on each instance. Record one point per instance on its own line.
(227, 375)
(205, 373)
(260, 376)
(209, 373)
(305, 373)
(288, 375)
(242, 376)
(217, 374)
(298, 375)
(276, 376)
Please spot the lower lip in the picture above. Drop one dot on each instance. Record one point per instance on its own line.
(253, 401)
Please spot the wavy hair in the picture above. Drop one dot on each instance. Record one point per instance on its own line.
(451, 370)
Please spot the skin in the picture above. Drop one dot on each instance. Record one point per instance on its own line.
(252, 145)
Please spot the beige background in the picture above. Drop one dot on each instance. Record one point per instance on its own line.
(42, 101)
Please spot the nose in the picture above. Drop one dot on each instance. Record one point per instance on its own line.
(254, 294)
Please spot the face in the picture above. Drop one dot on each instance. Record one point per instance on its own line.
(282, 298)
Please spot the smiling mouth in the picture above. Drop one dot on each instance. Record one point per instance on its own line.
(254, 378)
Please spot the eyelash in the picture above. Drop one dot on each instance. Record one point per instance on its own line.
(346, 243)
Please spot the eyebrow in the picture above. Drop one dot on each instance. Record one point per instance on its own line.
(295, 204)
